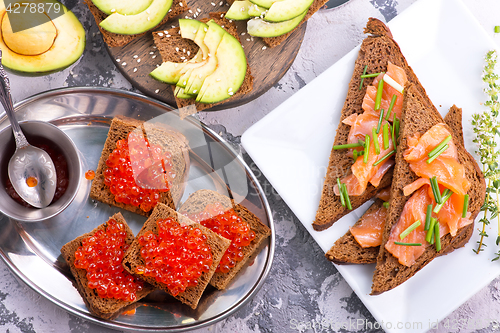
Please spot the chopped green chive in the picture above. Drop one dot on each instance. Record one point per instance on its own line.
(429, 160)
(386, 204)
(342, 200)
(392, 136)
(408, 244)
(386, 156)
(380, 118)
(446, 195)
(367, 146)
(348, 145)
(439, 146)
(362, 79)
(346, 197)
(466, 205)
(435, 190)
(407, 231)
(437, 237)
(393, 101)
(378, 98)
(497, 29)
(428, 216)
(364, 76)
(375, 141)
(396, 128)
(354, 155)
(385, 130)
(430, 232)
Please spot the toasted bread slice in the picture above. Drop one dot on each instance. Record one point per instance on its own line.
(114, 40)
(168, 46)
(346, 249)
(171, 141)
(418, 116)
(107, 308)
(376, 51)
(218, 245)
(199, 200)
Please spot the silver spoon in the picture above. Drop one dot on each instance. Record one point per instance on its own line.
(31, 170)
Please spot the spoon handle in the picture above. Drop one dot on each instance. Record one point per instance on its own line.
(6, 100)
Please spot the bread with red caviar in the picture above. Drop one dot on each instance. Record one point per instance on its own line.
(169, 140)
(377, 50)
(346, 250)
(107, 308)
(133, 260)
(199, 200)
(419, 115)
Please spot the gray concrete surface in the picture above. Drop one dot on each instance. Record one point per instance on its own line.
(302, 286)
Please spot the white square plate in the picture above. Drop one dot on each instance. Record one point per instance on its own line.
(445, 47)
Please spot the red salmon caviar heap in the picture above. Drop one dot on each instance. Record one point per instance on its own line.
(176, 257)
(101, 255)
(230, 226)
(153, 167)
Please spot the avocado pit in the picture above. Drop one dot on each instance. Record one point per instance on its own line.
(29, 42)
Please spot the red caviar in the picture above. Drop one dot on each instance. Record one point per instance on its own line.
(176, 256)
(101, 255)
(89, 174)
(138, 172)
(230, 226)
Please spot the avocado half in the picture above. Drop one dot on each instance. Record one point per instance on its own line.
(48, 47)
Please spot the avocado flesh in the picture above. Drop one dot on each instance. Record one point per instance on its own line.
(125, 7)
(229, 75)
(180, 93)
(212, 40)
(67, 47)
(170, 72)
(264, 3)
(286, 10)
(239, 10)
(29, 42)
(256, 11)
(138, 23)
(259, 28)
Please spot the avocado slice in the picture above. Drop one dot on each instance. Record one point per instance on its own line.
(256, 11)
(286, 10)
(170, 72)
(212, 40)
(229, 75)
(138, 23)
(45, 48)
(259, 28)
(239, 10)
(180, 93)
(195, 31)
(125, 7)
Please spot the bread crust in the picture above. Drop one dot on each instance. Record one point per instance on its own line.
(132, 258)
(376, 51)
(106, 308)
(171, 141)
(418, 117)
(197, 203)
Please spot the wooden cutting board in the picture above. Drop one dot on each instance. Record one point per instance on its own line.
(138, 58)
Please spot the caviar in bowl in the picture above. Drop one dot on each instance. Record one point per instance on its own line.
(66, 159)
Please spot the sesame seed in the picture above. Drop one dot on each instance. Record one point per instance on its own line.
(177, 49)
(184, 50)
(186, 17)
(149, 19)
(264, 47)
(136, 56)
(205, 29)
(198, 10)
(169, 10)
(124, 63)
(222, 26)
(151, 53)
(230, 93)
(167, 36)
(180, 4)
(113, 10)
(176, 65)
(135, 69)
(139, 60)
(218, 80)
(160, 34)
(148, 11)
(188, 52)
(182, 58)
(243, 33)
(212, 3)
(173, 26)
(117, 60)
(190, 11)
(154, 56)
(248, 39)
(195, 31)
(195, 91)
(221, 3)
(230, 21)
(154, 47)
(230, 89)
(157, 90)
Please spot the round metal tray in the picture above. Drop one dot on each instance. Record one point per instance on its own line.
(32, 250)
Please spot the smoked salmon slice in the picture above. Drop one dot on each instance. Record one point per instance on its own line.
(369, 232)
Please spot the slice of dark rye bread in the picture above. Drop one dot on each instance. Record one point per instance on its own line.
(376, 51)
(218, 245)
(419, 117)
(171, 46)
(346, 249)
(197, 202)
(107, 308)
(171, 141)
(113, 40)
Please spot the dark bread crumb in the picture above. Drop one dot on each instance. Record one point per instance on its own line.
(218, 245)
(197, 203)
(171, 141)
(376, 51)
(114, 40)
(417, 116)
(167, 47)
(107, 308)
